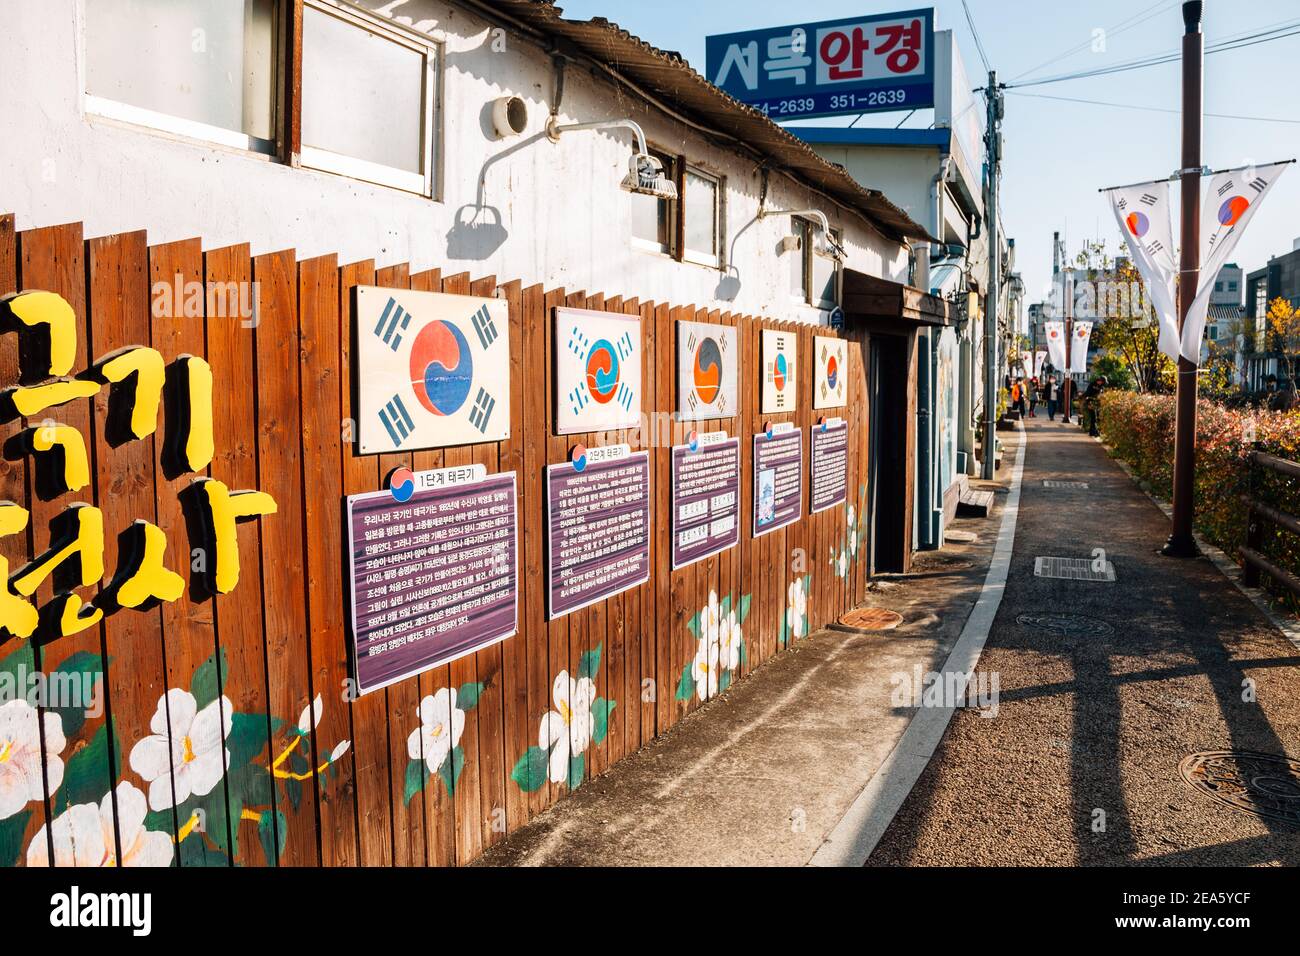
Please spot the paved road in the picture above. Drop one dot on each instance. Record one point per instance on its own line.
(1093, 722)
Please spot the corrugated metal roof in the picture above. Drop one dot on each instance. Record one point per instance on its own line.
(668, 77)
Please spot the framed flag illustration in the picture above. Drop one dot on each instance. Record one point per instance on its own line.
(780, 360)
(597, 371)
(432, 369)
(830, 379)
(707, 361)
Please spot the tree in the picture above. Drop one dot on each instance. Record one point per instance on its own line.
(1127, 329)
(1284, 323)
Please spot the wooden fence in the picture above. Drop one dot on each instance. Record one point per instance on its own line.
(339, 788)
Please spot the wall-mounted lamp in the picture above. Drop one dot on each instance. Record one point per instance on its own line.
(824, 243)
(645, 176)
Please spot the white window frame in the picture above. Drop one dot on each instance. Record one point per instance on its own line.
(671, 164)
(838, 236)
(803, 230)
(106, 108)
(423, 182)
(716, 259)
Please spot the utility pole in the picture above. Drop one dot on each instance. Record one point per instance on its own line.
(1181, 544)
(993, 150)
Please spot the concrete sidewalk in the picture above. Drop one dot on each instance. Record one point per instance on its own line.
(1081, 766)
(763, 774)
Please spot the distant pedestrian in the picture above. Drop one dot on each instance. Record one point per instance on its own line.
(1092, 403)
(1053, 393)
(1033, 396)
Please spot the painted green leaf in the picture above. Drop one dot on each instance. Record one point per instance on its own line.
(589, 664)
(416, 775)
(686, 686)
(87, 775)
(272, 831)
(530, 771)
(724, 681)
(450, 769)
(78, 671)
(724, 607)
(11, 837)
(248, 738)
(577, 766)
(600, 711)
(742, 611)
(22, 662)
(744, 655)
(208, 679)
(467, 696)
(293, 790)
(693, 625)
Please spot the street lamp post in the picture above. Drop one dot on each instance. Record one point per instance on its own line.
(1181, 543)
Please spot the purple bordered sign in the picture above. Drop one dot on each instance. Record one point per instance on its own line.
(706, 497)
(597, 526)
(778, 477)
(434, 568)
(829, 475)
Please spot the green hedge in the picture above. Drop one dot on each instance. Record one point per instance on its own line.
(1140, 430)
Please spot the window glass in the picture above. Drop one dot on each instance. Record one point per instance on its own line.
(652, 217)
(362, 93)
(823, 277)
(702, 233)
(206, 61)
(799, 259)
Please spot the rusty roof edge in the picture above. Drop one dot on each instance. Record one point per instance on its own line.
(795, 157)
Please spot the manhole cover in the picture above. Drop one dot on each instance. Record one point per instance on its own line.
(961, 537)
(871, 619)
(1267, 785)
(1073, 569)
(1067, 625)
(1048, 483)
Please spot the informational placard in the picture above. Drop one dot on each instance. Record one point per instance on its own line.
(597, 526)
(432, 369)
(830, 372)
(597, 371)
(862, 64)
(434, 577)
(830, 464)
(706, 497)
(778, 478)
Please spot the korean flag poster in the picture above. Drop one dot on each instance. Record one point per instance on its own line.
(433, 369)
(597, 371)
(780, 361)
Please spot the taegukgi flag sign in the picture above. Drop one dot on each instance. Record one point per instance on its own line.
(1055, 333)
(1227, 206)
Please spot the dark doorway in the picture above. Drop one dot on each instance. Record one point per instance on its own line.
(887, 457)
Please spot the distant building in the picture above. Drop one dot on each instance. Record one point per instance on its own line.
(1226, 309)
(1280, 279)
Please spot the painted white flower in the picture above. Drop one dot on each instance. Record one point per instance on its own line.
(83, 835)
(566, 731)
(441, 724)
(311, 716)
(842, 564)
(189, 754)
(340, 750)
(705, 668)
(20, 755)
(729, 638)
(853, 531)
(710, 618)
(797, 607)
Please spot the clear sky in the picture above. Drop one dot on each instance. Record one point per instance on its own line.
(1058, 154)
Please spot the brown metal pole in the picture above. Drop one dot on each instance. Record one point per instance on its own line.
(1181, 543)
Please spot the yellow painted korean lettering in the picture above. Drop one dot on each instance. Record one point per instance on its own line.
(224, 509)
(17, 616)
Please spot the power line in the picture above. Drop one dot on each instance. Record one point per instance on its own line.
(1117, 29)
(970, 20)
(1153, 109)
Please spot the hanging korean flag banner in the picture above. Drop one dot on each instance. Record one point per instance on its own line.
(432, 369)
(1026, 365)
(1040, 359)
(1226, 208)
(1055, 332)
(1142, 212)
(597, 371)
(1082, 332)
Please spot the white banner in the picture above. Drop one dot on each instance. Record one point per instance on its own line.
(1040, 359)
(1055, 332)
(1142, 212)
(1081, 332)
(1027, 365)
(1226, 208)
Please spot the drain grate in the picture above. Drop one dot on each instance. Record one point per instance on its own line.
(1067, 625)
(871, 619)
(1265, 785)
(1073, 569)
(1048, 483)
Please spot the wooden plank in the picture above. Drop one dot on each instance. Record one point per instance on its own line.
(369, 713)
(136, 679)
(322, 448)
(239, 615)
(557, 631)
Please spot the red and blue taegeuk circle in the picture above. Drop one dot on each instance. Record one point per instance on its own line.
(442, 368)
(1232, 210)
(602, 371)
(707, 371)
(832, 371)
(1138, 224)
(779, 372)
(402, 484)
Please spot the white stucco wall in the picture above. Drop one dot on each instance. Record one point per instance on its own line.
(568, 223)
